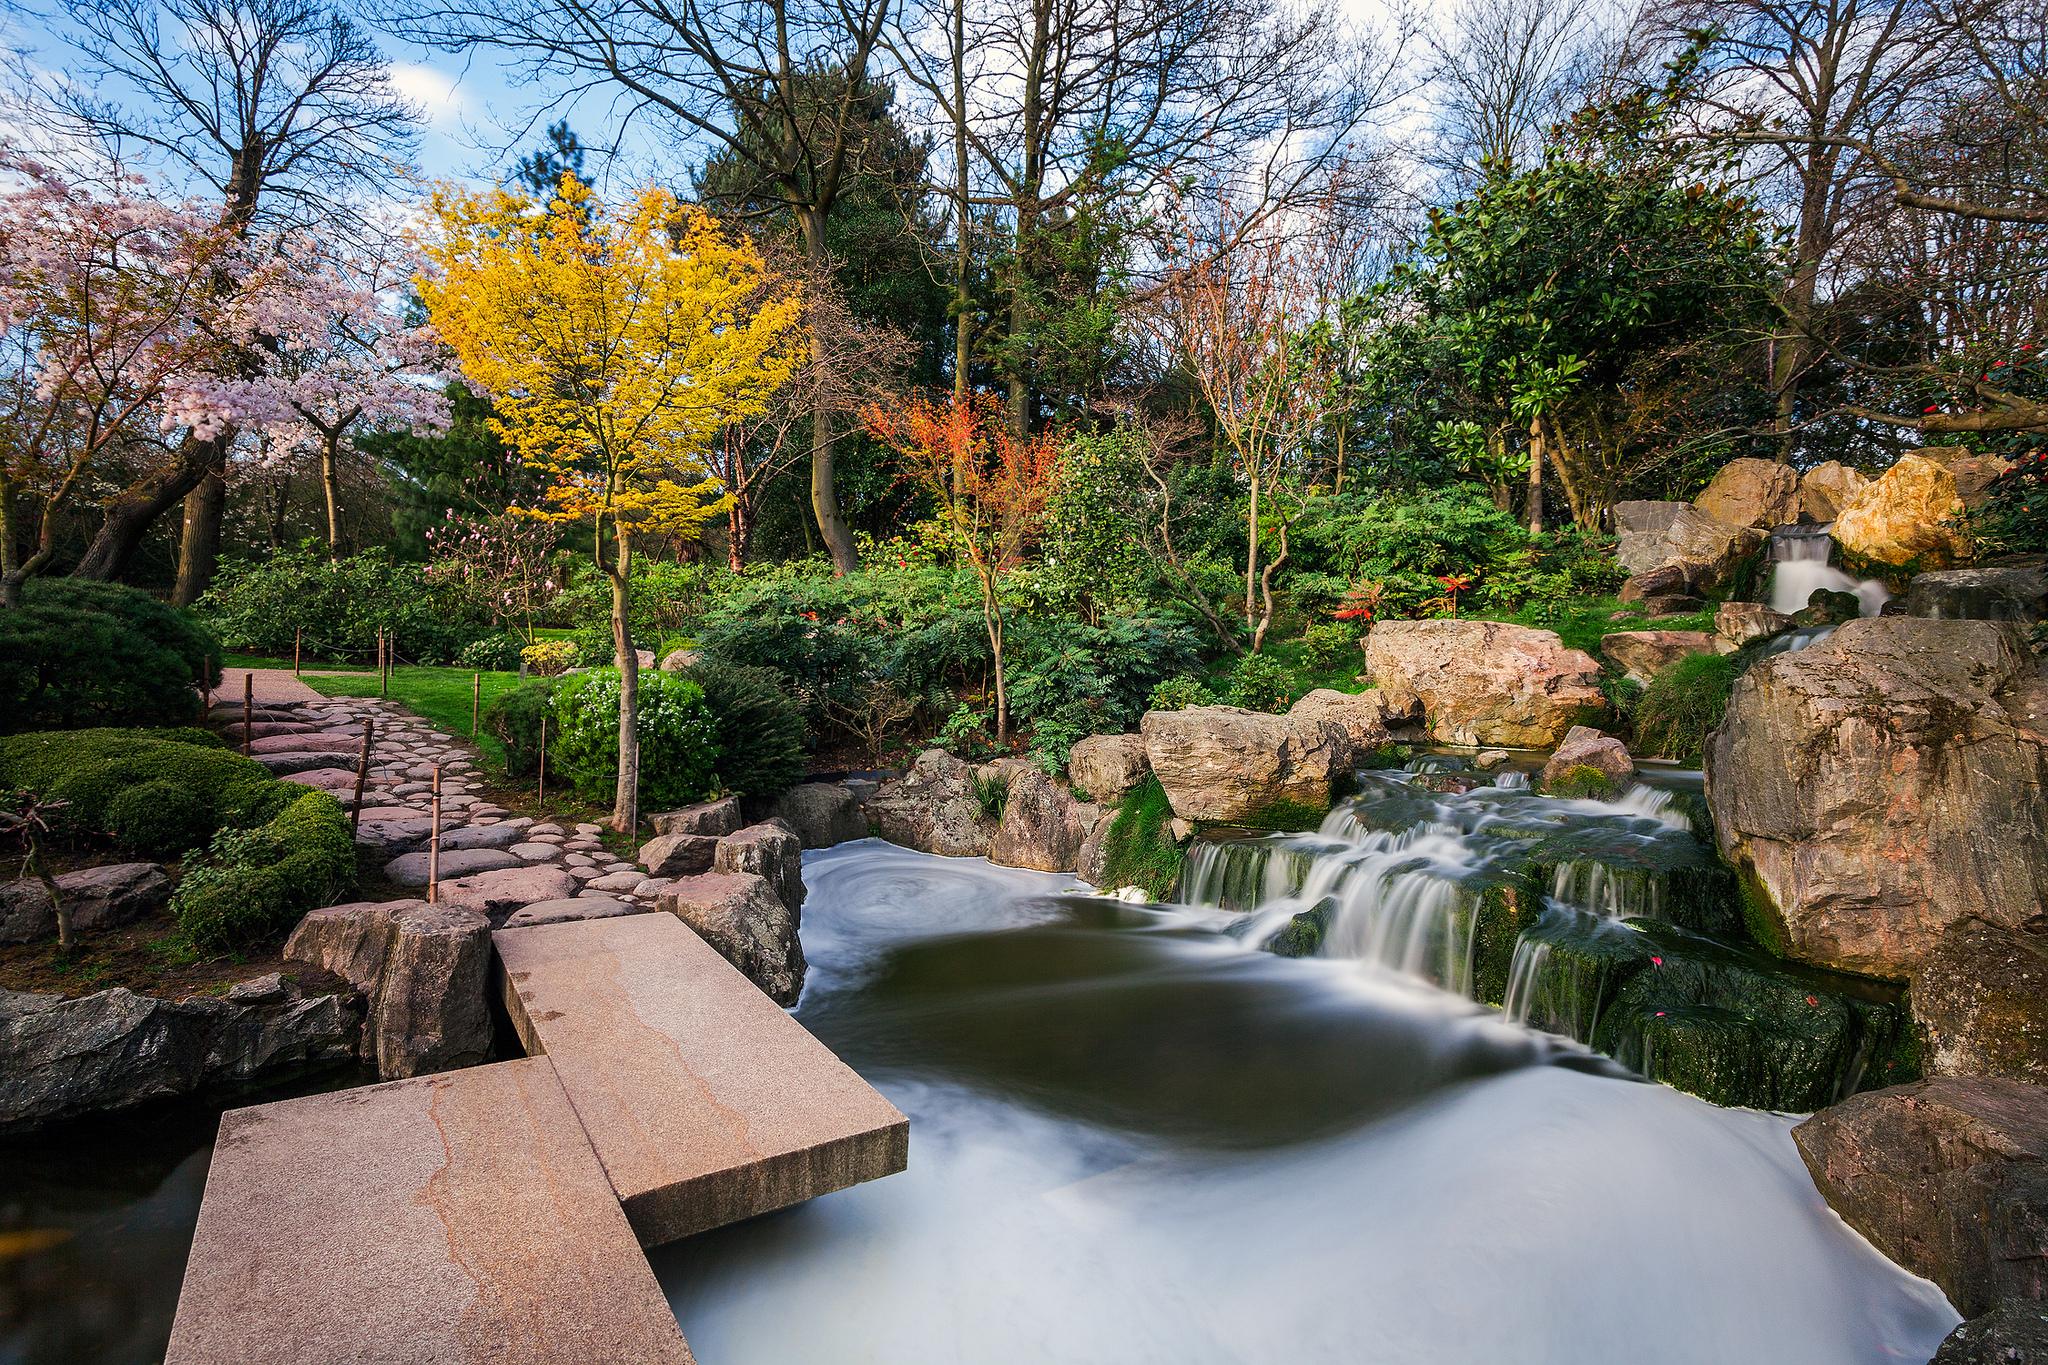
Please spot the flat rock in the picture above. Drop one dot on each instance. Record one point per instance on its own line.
(293, 764)
(1738, 623)
(534, 853)
(572, 908)
(677, 855)
(709, 817)
(501, 892)
(392, 835)
(478, 836)
(316, 742)
(1483, 683)
(96, 897)
(2013, 592)
(705, 1102)
(411, 869)
(615, 881)
(1642, 654)
(1230, 765)
(1361, 715)
(460, 1219)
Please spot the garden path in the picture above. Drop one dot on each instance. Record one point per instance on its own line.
(270, 686)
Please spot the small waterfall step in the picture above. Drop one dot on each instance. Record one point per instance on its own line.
(706, 1103)
(458, 1219)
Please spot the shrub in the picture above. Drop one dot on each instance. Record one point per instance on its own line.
(340, 605)
(991, 793)
(491, 653)
(78, 652)
(513, 718)
(678, 738)
(1178, 694)
(1329, 645)
(1261, 682)
(252, 884)
(161, 818)
(550, 658)
(759, 727)
(967, 733)
(1683, 704)
(93, 770)
(1054, 736)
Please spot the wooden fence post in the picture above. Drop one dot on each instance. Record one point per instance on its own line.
(476, 701)
(355, 818)
(434, 844)
(298, 639)
(541, 795)
(248, 712)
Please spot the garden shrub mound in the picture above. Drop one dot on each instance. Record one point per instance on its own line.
(679, 736)
(78, 653)
(760, 727)
(276, 849)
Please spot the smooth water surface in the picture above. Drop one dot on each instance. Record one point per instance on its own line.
(1135, 1139)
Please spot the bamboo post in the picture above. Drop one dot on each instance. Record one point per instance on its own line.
(298, 639)
(248, 712)
(476, 701)
(384, 681)
(355, 817)
(541, 796)
(434, 844)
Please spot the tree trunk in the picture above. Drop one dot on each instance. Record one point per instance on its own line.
(136, 508)
(626, 802)
(838, 536)
(739, 532)
(330, 485)
(963, 206)
(992, 617)
(1535, 506)
(1251, 557)
(199, 542)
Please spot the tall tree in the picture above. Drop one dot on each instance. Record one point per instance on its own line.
(617, 345)
(278, 107)
(727, 75)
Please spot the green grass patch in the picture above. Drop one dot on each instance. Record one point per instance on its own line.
(231, 661)
(439, 695)
(1139, 849)
(1683, 704)
(1582, 622)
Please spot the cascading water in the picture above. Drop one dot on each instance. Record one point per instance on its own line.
(1801, 560)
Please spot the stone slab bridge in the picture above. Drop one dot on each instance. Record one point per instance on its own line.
(498, 1214)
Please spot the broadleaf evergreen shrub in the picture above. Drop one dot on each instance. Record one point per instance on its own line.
(253, 884)
(340, 605)
(678, 737)
(81, 653)
(760, 727)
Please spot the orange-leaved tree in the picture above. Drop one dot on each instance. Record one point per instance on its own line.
(616, 343)
(990, 486)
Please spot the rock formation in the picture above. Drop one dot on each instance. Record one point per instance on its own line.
(1482, 682)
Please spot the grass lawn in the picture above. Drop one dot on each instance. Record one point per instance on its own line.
(1583, 621)
(230, 661)
(439, 695)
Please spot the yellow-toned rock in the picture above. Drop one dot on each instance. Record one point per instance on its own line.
(1826, 489)
(1909, 516)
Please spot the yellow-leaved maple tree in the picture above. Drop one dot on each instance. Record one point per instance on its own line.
(615, 345)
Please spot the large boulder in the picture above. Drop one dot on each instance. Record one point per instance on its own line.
(933, 808)
(681, 854)
(1043, 825)
(1880, 786)
(1483, 682)
(1972, 472)
(741, 916)
(2004, 592)
(822, 813)
(1362, 716)
(2014, 1333)
(1233, 766)
(1759, 494)
(1948, 1177)
(1107, 767)
(706, 817)
(1981, 1000)
(96, 897)
(424, 972)
(1826, 489)
(1738, 623)
(1643, 654)
(1640, 528)
(771, 851)
(115, 1049)
(1585, 747)
(1695, 555)
(1906, 518)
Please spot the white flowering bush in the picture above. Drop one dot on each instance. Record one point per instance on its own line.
(678, 740)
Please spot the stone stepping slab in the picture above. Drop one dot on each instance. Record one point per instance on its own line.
(458, 1219)
(316, 742)
(705, 1102)
(572, 908)
(410, 869)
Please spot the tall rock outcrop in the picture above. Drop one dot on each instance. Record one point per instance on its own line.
(1759, 494)
(1886, 784)
(1483, 682)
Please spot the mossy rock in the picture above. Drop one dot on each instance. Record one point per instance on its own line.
(1506, 909)
(1673, 877)
(1387, 756)
(1828, 607)
(1139, 849)
(1304, 933)
(1582, 782)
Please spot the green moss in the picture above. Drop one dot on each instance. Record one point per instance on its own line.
(1304, 934)
(1683, 704)
(1759, 913)
(1505, 910)
(1388, 756)
(1284, 816)
(1582, 782)
(1139, 849)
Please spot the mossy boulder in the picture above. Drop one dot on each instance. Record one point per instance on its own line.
(1304, 933)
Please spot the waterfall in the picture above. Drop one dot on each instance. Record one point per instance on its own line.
(1801, 563)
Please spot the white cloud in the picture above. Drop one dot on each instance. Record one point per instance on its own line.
(434, 90)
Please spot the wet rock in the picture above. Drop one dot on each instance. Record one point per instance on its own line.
(1905, 519)
(2017, 592)
(1755, 493)
(1043, 826)
(708, 817)
(1585, 747)
(1880, 786)
(1643, 654)
(1107, 767)
(1303, 934)
(424, 973)
(1233, 766)
(1827, 607)
(822, 814)
(933, 808)
(678, 855)
(1826, 489)
(572, 908)
(96, 897)
(1948, 1177)
(1483, 682)
(115, 1049)
(1695, 555)
(740, 915)
(1738, 623)
(772, 852)
(499, 893)
(1091, 863)
(1981, 1001)
(411, 869)
(2013, 1333)
(1486, 760)
(1361, 715)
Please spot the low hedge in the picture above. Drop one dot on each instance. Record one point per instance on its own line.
(253, 884)
(78, 652)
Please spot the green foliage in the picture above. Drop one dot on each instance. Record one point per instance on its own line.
(491, 654)
(991, 793)
(160, 818)
(1179, 694)
(1095, 679)
(78, 652)
(97, 771)
(1260, 682)
(678, 738)
(1405, 540)
(340, 605)
(968, 733)
(1331, 645)
(550, 658)
(513, 718)
(1138, 849)
(1091, 561)
(759, 727)
(1682, 704)
(252, 884)
(2014, 518)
